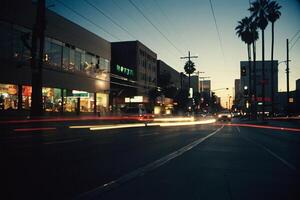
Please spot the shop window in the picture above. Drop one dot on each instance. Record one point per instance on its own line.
(8, 96)
(102, 102)
(26, 97)
(52, 99)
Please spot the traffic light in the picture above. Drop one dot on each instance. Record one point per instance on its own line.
(246, 91)
(243, 71)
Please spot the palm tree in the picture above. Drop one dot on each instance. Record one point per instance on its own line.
(273, 16)
(189, 68)
(253, 28)
(243, 30)
(259, 10)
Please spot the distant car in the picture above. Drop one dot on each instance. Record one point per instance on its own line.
(224, 116)
(139, 113)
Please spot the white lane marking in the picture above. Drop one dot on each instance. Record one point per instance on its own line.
(62, 141)
(148, 134)
(239, 130)
(289, 165)
(92, 194)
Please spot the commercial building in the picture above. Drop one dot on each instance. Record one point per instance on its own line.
(294, 101)
(244, 67)
(75, 74)
(133, 73)
(238, 94)
(177, 79)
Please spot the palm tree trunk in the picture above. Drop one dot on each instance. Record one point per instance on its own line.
(263, 73)
(272, 72)
(254, 81)
(249, 74)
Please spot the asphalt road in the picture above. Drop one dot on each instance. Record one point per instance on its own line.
(182, 162)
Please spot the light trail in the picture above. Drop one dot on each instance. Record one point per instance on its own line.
(174, 119)
(137, 125)
(34, 129)
(263, 127)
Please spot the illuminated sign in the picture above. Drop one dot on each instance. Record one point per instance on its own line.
(124, 70)
(135, 99)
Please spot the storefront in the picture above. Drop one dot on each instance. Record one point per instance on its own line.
(8, 96)
(52, 99)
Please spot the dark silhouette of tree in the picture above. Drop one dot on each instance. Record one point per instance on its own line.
(170, 92)
(189, 68)
(182, 98)
(243, 30)
(259, 12)
(253, 27)
(273, 16)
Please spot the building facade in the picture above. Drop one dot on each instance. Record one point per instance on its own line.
(133, 72)
(76, 62)
(244, 67)
(177, 79)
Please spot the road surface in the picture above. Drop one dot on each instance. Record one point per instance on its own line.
(209, 161)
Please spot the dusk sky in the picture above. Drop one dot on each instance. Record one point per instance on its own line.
(189, 26)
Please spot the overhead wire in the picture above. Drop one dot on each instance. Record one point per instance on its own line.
(217, 28)
(110, 18)
(179, 36)
(155, 27)
(87, 19)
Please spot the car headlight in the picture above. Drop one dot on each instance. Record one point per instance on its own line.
(219, 116)
(229, 116)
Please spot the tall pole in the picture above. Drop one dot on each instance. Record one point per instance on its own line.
(287, 76)
(38, 37)
(189, 59)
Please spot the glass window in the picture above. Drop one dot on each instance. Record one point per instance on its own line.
(82, 62)
(6, 40)
(66, 58)
(26, 97)
(8, 96)
(55, 55)
(52, 53)
(88, 62)
(77, 60)
(72, 60)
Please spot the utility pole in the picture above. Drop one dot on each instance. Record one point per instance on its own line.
(287, 76)
(189, 59)
(38, 37)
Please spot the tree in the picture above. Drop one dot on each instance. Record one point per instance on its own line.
(273, 16)
(253, 27)
(189, 68)
(259, 12)
(243, 30)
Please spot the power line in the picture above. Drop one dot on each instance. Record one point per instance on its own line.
(156, 28)
(217, 28)
(295, 35)
(87, 19)
(110, 18)
(294, 43)
(169, 22)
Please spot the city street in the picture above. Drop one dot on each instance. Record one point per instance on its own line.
(204, 161)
